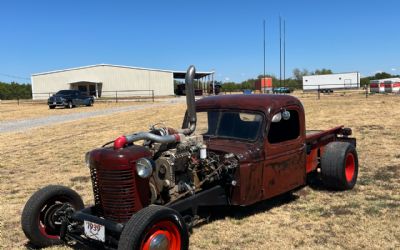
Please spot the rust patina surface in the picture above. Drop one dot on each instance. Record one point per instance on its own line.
(265, 169)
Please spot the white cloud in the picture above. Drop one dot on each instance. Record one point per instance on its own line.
(394, 69)
(227, 79)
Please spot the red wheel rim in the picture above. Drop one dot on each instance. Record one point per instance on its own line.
(350, 167)
(45, 224)
(42, 229)
(163, 228)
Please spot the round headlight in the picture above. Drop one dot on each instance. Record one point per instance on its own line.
(144, 167)
(87, 159)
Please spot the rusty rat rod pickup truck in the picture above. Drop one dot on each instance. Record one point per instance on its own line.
(232, 150)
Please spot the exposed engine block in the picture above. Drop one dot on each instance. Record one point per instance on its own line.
(185, 167)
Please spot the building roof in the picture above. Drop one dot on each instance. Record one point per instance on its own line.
(177, 74)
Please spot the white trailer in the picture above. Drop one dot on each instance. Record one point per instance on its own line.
(392, 85)
(326, 83)
(387, 85)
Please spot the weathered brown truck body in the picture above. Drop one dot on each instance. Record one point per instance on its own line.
(269, 169)
(253, 147)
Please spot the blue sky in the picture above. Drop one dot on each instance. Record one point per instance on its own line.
(225, 36)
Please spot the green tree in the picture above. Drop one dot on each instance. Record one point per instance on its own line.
(382, 75)
(15, 90)
(323, 71)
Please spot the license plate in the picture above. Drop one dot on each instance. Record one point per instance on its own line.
(94, 231)
(54, 103)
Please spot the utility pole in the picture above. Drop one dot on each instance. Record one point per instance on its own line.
(284, 52)
(280, 51)
(262, 90)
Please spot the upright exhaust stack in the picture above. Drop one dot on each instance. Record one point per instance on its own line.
(190, 120)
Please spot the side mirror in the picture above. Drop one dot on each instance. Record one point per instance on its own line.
(283, 114)
(286, 115)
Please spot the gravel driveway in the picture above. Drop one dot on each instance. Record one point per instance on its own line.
(23, 125)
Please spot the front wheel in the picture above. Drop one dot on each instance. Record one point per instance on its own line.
(70, 105)
(40, 222)
(339, 166)
(155, 227)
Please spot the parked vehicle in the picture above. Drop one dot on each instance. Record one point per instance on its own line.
(147, 195)
(281, 90)
(327, 91)
(69, 99)
(337, 81)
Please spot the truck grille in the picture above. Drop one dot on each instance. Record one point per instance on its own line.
(115, 191)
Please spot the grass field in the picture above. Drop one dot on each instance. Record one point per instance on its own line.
(13, 112)
(367, 217)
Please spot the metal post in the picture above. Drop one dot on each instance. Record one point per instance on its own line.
(366, 90)
(116, 96)
(319, 91)
(18, 100)
(213, 84)
(152, 95)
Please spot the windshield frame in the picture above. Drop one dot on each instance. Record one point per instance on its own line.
(260, 132)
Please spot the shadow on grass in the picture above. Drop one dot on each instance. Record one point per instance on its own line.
(238, 213)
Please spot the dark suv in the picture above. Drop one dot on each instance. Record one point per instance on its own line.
(69, 99)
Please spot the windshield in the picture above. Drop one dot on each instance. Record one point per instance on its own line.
(64, 92)
(229, 124)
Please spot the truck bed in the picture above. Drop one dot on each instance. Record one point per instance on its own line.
(313, 136)
(317, 139)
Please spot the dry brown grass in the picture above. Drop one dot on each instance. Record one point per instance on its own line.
(366, 217)
(13, 112)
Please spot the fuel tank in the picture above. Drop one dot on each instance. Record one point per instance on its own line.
(118, 191)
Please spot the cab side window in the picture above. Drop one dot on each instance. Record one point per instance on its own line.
(285, 130)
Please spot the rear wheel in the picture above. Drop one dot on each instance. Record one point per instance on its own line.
(40, 222)
(339, 166)
(155, 227)
(90, 103)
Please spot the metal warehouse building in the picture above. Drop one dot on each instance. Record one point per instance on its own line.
(103, 80)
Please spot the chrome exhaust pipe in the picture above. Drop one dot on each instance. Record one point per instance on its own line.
(191, 118)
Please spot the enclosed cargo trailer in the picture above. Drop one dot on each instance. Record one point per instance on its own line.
(332, 81)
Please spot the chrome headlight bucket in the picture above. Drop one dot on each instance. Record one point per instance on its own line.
(144, 167)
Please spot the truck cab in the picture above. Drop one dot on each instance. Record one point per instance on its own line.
(267, 132)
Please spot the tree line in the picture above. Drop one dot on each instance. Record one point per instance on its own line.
(13, 90)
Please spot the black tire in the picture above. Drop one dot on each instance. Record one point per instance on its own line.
(90, 103)
(153, 219)
(36, 219)
(69, 105)
(52, 107)
(339, 166)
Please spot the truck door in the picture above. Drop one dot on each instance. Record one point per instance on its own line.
(285, 152)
